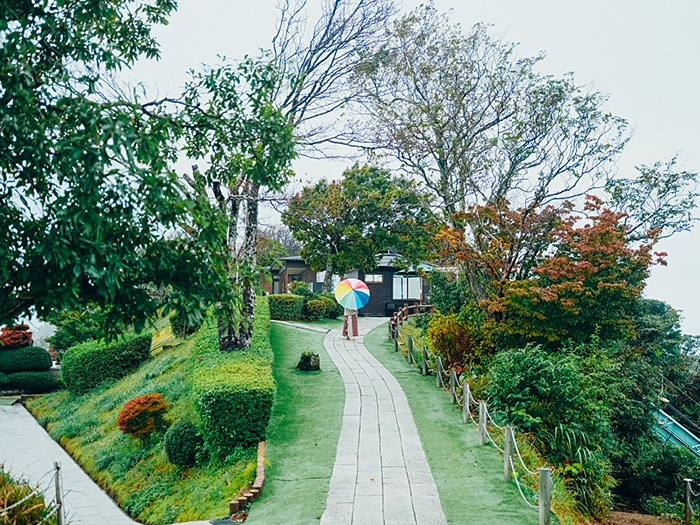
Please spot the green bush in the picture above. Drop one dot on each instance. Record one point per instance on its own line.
(26, 508)
(334, 310)
(4, 380)
(315, 309)
(88, 364)
(25, 359)
(182, 444)
(299, 288)
(234, 391)
(180, 327)
(33, 382)
(286, 307)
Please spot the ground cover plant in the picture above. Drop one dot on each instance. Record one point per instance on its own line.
(138, 474)
(33, 510)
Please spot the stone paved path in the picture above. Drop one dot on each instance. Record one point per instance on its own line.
(28, 453)
(381, 475)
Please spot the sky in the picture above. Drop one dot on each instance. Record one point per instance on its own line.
(645, 55)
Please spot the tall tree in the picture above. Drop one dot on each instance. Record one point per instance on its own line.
(249, 143)
(86, 194)
(345, 224)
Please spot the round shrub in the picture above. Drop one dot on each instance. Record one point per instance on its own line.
(338, 308)
(331, 307)
(33, 382)
(315, 309)
(142, 416)
(28, 358)
(299, 288)
(4, 380)
(182, 444)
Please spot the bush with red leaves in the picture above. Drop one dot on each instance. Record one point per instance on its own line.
(15, 337)
(143, 415)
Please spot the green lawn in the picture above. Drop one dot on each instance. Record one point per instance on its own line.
(469, 478)
(303, 434)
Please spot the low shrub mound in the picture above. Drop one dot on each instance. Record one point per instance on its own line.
(286, 307)
(304, 305)
(24, 368)
(32, 382)
(28, 358)
(88, 364)
(183, 443)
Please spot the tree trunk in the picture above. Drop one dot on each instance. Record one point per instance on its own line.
(236, 337)
(328, 279)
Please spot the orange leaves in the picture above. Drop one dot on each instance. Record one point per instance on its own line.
(142, 415)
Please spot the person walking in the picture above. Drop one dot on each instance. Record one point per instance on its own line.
(350, 324)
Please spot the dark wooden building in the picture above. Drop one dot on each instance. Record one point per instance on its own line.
(286, 271)
(390, 287)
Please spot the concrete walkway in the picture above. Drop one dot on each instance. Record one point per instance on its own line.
(381, 475)
(28, 453)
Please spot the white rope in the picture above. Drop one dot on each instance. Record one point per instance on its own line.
(28, 496)
(692, 491)
(517, 483)
(515, 442)
(488, 434)
(492, 421)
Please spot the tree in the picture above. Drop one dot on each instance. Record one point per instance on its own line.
(86, 194)
(249, 143)
(345, 224)
(481, 128)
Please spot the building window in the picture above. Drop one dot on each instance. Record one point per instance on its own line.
(407, 287)
(374, 278)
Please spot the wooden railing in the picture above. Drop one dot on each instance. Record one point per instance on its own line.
(403, 313)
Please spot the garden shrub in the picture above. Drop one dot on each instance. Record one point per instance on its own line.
(15, 337)
(33, 382)
(448, 292)
(457, 342)
(32, 510)
(183, 443)
(286, 307)
(315, 309)
(28, 358)
(4, 380)
(333, 309)
(88, 364)
(180, 326)
(299, 288)
(142, 416)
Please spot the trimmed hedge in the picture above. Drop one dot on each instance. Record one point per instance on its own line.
(315, 309)
(32, 382)
(286, 307)
(4, 380)
(24, 359)
(234, 391)
(86, 365)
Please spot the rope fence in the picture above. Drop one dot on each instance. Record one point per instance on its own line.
(448, 381)
(55, 506)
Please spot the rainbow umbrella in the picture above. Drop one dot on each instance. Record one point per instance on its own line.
(351, 293)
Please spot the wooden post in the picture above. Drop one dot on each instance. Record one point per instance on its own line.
(507, 453)
(438, 373)
(545, 495)
(482, 423)
(425, 361)
(453, 385)
(465, 401)
(410, 349)
(396, 342)
(688, 509)
(59, 495)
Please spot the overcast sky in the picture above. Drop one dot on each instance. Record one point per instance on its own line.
(644, 54)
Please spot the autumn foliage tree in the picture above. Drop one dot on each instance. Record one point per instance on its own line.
(143, 415)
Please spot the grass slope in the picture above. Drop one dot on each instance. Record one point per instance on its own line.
(469, 478)
(303, 434)
(140, 478)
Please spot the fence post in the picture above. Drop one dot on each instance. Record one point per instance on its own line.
(59, 496)
(507, 452)
(482, 423)
(465, 401)
(438, 373)
(545, 495)
(396, 342)
(688, 509)
(410, 349)
(453, 385)
(425, 361)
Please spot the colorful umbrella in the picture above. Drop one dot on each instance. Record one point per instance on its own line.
(352, 293)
